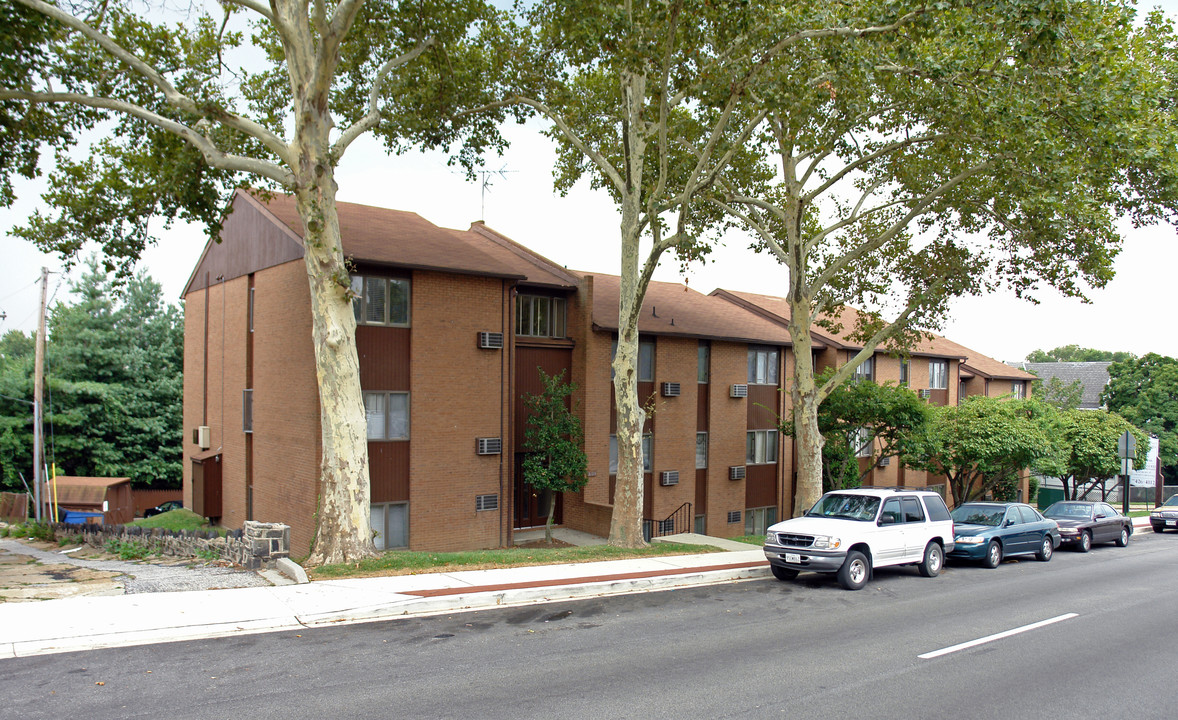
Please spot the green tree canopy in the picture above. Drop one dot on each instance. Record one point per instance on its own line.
(114, 387)
(554, 442)
(1085, 457)
(1058, 394)
(864, 420)
(1075, 353)
(1144, 391)
(983, 444)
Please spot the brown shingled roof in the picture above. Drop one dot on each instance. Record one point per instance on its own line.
(405, 239)
(675, 309)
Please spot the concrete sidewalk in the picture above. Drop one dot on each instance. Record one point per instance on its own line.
(87, 623)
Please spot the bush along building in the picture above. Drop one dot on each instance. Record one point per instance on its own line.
(452, 326)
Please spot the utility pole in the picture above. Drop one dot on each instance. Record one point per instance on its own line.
(38, 382)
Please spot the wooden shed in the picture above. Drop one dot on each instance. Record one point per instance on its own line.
(96, 500)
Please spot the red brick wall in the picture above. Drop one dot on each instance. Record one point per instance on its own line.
(726, 440)
(676, 360)
(458, 393)
(286, 405)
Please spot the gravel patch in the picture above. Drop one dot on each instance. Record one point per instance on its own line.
(146, 576)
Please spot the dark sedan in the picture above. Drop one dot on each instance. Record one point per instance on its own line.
(163, 508)
(1165, 515)
(1084, 523)
(990, 531)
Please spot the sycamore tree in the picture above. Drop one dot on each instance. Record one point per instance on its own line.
(641, 97)
(1087, 451)
(554, 442)
(983, 444)
(156, 118)
(976, 145)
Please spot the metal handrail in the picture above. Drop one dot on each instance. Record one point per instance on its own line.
(679, 521)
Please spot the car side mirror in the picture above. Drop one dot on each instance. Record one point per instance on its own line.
(1101, 516)
(887, 519)
(1008, 523)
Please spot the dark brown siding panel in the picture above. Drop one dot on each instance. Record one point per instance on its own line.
(384, 357)
(938, 397)
(762, 404)
(701, 409)
(388, 464)
(760, 486)
(701, 492)
(527, 380)
(251, 240)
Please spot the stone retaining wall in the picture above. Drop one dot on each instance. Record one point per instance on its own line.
(257, 545)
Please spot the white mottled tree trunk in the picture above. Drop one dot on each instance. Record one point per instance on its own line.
(626, 523)
(343, 530)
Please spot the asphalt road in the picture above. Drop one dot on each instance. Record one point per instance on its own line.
(805, 649)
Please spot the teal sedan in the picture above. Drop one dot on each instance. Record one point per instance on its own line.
(990, 531)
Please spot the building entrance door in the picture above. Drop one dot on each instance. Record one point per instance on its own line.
(531, 505)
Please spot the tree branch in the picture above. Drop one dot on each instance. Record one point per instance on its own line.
(372, 117)
(213, 155)
(261, 9)
(171, 94)
(860, 162)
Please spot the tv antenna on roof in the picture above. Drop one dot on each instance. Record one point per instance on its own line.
(486, 176)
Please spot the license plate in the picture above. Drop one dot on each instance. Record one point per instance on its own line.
(1171, 523)
(792, 558)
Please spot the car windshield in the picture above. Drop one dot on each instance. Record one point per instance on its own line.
(848, 507)
(1171, 502)
(1069, 510)
(978, 515)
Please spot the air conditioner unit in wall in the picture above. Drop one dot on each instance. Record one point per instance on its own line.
(489, 446)
(736, 472)
(669, 477)
(925, 394)
(200, 437)
(885, 461)
(670, 389)
(739, 391)
(491, 340)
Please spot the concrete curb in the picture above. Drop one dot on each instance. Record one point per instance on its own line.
(292, 570)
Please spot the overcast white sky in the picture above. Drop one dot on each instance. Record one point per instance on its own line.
(580, 231)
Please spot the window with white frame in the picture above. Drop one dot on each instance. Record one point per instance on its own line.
(703, 362)
(540, 316)
(380, 301)
(647, 453)
(1018, 388)
(390, 525)
(865, 370)
(862, 443)
(701, 450)
(388, 415)
(758, 520)
(761, 447)
(762, 365)
(905, 366)
(938, 374)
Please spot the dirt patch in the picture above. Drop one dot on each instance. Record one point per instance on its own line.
(24, 579)
(541, 544)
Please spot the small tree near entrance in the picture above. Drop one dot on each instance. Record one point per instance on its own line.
(554, 442)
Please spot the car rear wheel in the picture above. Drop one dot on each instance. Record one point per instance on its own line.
(853, 574)
(1085, 542)
(993, 555)
(1046, 549)
(934, 560)
(783, 573)
(1123, 538)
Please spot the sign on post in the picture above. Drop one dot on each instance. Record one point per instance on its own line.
(1127, 451)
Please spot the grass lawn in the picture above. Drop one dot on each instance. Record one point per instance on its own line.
(408, 562)
(750, 539)
(180, 519)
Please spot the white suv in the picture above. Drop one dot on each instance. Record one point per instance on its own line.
(850, 532)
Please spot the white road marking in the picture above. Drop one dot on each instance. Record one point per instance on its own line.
(998, 636)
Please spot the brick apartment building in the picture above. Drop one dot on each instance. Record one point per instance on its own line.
(452, 325)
